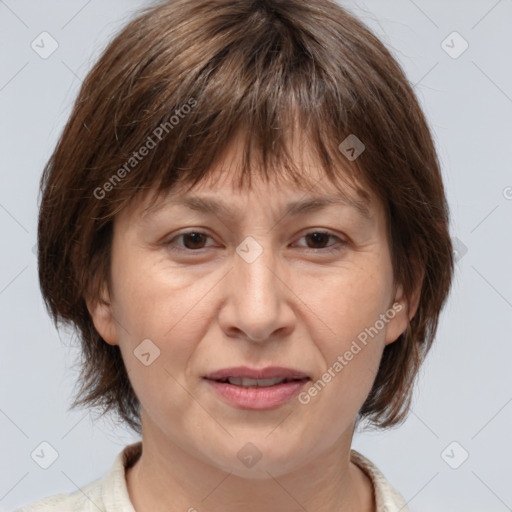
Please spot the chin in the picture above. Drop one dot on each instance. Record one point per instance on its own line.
(262, 460)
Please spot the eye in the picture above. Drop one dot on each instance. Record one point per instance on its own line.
(320, 238)
(193, 241)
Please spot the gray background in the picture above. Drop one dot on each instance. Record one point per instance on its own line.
(464, 392)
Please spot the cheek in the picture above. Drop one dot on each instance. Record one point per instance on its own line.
(156, 313)
(167, 306)
(154, 298)
(350, 334)
(349, 301)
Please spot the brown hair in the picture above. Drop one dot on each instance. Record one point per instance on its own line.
(180, 80)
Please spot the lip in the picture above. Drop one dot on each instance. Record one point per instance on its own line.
(270, 372)
(253, 398)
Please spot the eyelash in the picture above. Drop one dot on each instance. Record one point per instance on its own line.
(330, 249)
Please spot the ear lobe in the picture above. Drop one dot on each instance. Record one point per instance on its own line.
(398, 323)
(404, 311)
(102, 317)
(416, 295)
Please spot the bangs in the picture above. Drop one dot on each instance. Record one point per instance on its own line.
(277, 102)
(286, 166)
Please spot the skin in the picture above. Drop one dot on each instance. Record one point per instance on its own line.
(296, 305)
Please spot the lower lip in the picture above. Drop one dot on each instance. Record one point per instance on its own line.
(262, 398)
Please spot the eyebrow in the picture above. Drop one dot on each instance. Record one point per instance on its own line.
(294, 208)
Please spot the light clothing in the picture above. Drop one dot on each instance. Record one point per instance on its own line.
(110, 494)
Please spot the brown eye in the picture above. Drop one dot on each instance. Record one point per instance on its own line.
(191, 241)
(194, 240)
(318, 239)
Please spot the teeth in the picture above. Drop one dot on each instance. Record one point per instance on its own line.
(245, 383)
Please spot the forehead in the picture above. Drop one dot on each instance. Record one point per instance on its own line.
(229, 186)
(221, 202)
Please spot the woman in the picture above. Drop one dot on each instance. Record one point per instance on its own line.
(245, 220)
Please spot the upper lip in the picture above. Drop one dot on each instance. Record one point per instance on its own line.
(270, 372)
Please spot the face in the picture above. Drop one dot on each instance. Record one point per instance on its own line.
(250, 291)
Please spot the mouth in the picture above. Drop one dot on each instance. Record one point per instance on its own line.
(244, 382)
(257, 389)
(244, 376)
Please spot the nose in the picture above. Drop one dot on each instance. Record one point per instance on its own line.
(258, 299)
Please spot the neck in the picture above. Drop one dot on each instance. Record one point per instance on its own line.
(166, 478)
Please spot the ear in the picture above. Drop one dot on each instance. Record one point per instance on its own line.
(404, 311)
(102, 316)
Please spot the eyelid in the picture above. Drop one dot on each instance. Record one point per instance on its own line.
(323, 232)
(337, 247)
(178, 235)
(330, 248)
